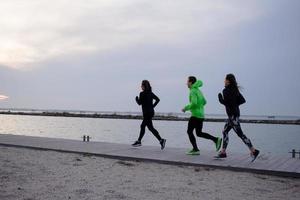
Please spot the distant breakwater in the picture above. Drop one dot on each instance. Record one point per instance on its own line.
(138, 117)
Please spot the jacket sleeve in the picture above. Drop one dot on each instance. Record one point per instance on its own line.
(193, 101)
(138, 99)
(227, 98)
(241, 99)
(157, 100)
(221, 99)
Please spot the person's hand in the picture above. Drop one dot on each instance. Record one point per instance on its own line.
(183, 110)
(136, 98)
(220, 96)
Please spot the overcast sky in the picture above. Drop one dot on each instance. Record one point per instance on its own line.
(93, 54)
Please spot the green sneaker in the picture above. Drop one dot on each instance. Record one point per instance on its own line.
(218, 144)
(193, 153)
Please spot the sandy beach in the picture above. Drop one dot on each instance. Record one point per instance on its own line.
(32, 174)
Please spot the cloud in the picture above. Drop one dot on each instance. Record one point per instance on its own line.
(92, 54)
(2, 97)
(36, 31)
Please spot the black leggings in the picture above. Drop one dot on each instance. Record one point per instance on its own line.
(147, 121)
(197, 123)
(234, 123)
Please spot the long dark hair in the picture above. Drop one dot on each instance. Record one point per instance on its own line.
(146, 85)
(232, 82)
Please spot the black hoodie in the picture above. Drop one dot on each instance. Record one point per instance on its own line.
(231, 99)
(146, 100)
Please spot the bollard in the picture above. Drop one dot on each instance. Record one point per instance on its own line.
(83, 138)
(88, 138)
(294, 152)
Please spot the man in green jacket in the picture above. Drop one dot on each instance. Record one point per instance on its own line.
(196, 106)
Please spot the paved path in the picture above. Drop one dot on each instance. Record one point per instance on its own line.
(265, 164)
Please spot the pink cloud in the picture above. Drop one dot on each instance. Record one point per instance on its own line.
(2, 97)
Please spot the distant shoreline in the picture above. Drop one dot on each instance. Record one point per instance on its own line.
(157, 117)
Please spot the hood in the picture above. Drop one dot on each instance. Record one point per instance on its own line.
(197, 84)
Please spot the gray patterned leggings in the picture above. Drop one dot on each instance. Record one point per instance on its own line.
(234, 123)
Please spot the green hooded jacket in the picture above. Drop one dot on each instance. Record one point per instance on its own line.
(197, 101)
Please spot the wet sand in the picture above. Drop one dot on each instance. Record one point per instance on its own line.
(32, 174)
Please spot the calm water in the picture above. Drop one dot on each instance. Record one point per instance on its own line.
(273, 139)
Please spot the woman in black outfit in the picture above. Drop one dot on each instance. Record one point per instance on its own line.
(232, 99)
(146, 100)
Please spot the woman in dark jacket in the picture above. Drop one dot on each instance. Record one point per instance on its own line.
(232, 99)
(146, 101)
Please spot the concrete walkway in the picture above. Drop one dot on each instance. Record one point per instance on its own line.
(265, 164)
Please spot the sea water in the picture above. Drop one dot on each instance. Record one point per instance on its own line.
(269, 138)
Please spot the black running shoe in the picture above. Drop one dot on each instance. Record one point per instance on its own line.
(163, 143)
(137, 144)
(255, 154)
(221, 155)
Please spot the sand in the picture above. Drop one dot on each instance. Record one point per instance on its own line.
(32, 174)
